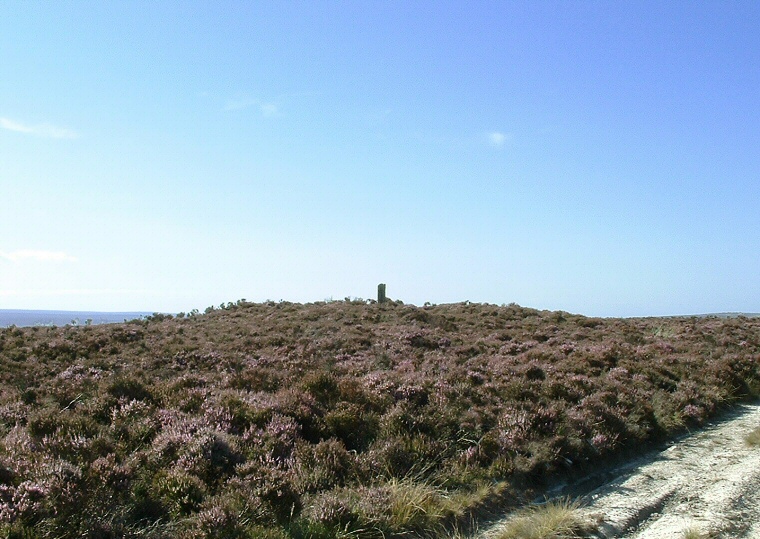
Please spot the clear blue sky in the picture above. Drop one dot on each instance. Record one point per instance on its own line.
(595, 157)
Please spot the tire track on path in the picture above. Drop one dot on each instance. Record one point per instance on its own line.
(708, 482)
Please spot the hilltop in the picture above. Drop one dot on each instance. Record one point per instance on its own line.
(333, 418)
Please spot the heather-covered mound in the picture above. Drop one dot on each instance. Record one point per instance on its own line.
(332, 419)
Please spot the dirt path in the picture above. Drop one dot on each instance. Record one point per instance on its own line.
(708, 482)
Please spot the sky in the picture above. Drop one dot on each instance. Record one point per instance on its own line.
(600, 158)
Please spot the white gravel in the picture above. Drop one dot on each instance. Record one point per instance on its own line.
(708, 482)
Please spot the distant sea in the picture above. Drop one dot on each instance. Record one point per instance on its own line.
(21, 318)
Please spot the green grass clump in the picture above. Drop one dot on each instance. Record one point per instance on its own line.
(553, 520)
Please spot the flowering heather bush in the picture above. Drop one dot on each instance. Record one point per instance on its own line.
(333, 419)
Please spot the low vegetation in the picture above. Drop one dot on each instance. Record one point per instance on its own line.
(694, 533)
(552, 520)
(338, 419)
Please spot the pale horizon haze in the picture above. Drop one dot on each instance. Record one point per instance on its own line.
(600, 158)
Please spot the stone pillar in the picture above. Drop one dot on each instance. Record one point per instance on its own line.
(381, 293)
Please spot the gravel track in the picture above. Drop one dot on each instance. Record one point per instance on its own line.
(708, 482)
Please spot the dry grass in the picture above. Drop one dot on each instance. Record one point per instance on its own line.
(553, 520)
(413, 504)
(418, 505)
(753, 438)
(694, 532)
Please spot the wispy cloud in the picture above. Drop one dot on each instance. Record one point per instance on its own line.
(240, 103)
(37, 256)
(497, 139)
(44, 130)
(266, 108)
(269, 109)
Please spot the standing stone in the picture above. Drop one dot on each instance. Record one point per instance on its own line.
(381, 293)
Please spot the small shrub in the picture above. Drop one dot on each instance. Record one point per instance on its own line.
(350, 424)
(228, 516)
(144, 504)
(107, 472)
(44, 422)
(179, 491)
(321, 466)
(211, 455)
(332, 509)
(65, 423)
(256, 379)
(266, 481)
(302, 407)
(129, 388)
(322, 386)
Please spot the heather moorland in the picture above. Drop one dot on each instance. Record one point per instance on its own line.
(342, 418)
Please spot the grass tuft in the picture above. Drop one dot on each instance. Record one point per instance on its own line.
(415, 505)
(693, 532)
(553, 520)
(753, 438)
